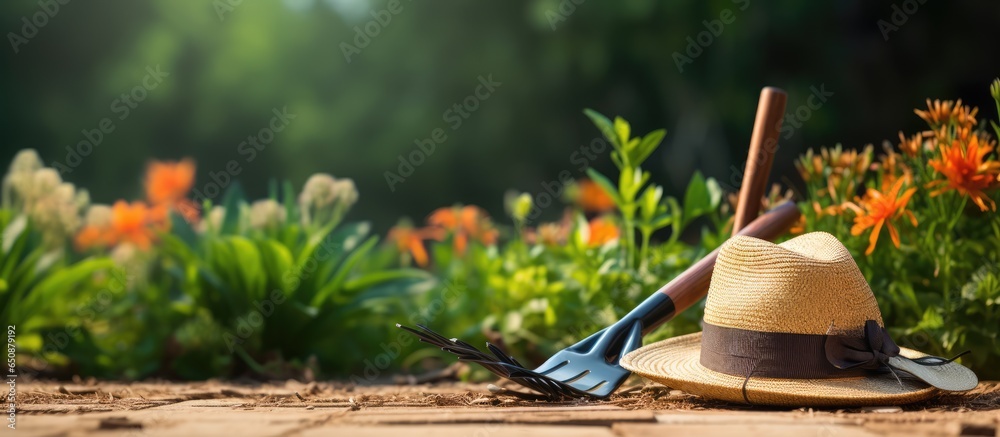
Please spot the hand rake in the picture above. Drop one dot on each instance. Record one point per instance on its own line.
(590, 368)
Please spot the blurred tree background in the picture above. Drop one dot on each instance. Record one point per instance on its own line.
(231, 62)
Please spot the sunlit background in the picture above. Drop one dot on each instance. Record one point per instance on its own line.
(360, 102)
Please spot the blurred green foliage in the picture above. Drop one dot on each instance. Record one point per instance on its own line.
(354, 119)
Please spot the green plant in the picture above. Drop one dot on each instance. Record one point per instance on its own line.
(290, 290)
(541, 289)
(38, 284)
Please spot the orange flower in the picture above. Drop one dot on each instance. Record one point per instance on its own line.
(841, 170)
(799, 227)
(91, 236)
(593, 198)
(942, 113)
(824, 211)
(169, 182)
(911, 146)
(602, 231)
(881, 209)
(411, 240)
(189, 209)
(465, 222)
(892, 168)
(966, 170)
(133, 223)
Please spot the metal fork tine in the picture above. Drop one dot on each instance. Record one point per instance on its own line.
(556, 386)
(435, 334)
(497, 361)
(463, 350)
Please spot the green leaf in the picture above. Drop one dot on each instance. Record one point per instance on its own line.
(63, 281)
(622, 129)
(631, 180)
(394, 289)
(345, 268)
(277, 261)
(581, 231)
(13, 231)
(697, 199)
(605, 184)
(647, 146)
(662, 221)
(231, 203)
(372, 279)
(677, 217)
(650, 202)
(715, 193)
(344, 239)
(604, 125)
(180, 228)
(288, 198)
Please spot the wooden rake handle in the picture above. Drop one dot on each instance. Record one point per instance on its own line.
(763, 144)
(692, 285)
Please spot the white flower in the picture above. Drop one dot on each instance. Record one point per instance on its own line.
(98, 216)
(326, 199)
(266, 213)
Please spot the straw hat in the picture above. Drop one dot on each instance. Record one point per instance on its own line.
(794, 324)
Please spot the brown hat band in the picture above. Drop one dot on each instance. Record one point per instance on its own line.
(746, 353)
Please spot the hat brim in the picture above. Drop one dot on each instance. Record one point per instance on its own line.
(675, 362)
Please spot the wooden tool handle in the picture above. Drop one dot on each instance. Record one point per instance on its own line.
(763, 144)
(692, 285)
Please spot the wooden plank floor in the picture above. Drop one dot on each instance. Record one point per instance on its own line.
(452, 409)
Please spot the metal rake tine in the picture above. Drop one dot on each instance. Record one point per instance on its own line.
(433, 333)
(502, 356)
(472, 350)
(557, 389)
(424, 337)
(461, 348)
(464, 351)
(565, 389)
(539, 385)
(534, 384)
(453, 346)
(467, 352)
(499, 353)
(555, 385)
